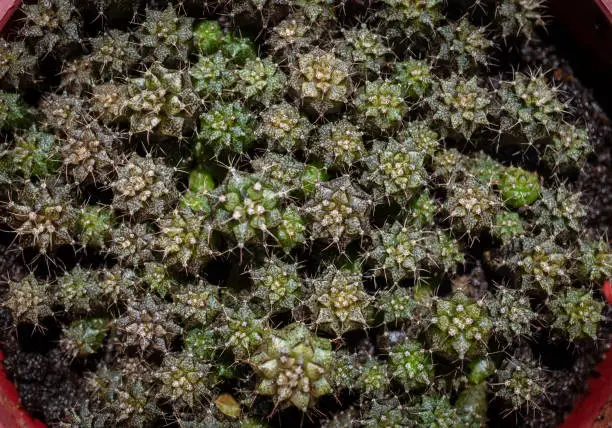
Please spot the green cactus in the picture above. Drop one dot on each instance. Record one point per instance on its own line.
(411, 18)
(321, 81)
(411, 365)
(415, 77)
(260, 81)
(518, 187)
(365, 49)
(52, 26)
(183, 380)
(283, 128)
(395, 171)
(113, 54)
(339, 144)
(339, 302)
(512, 314)
(196, 305)
(464, 44)
(568, 149)
(207, 37)
(337, 211)
(507, 226)
(144, 187)
(521, 382)
(13, 111)
(594, 262)
(228, 127)
(277, 285)
(380, 105)
(161, 102)
(293, 367)
(28, 300)
(242, 331)
(520, 18)
(460, 106)
(165, 36)
(559, 212)
(472, 207)
(460, 327)
(17, 64)
(84, 337)
(43, 216)
(576, 314)
(530, 105)
(34, 155)
(211, 77)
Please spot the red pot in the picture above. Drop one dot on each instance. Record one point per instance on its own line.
(578, 19)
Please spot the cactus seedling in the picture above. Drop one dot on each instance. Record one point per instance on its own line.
(518, 187)
(338, 211)
(339, 302)
(166, 36)
(293, 367)
(29, 300)
(460, 327)
(321, 81)
(225, 127)
(411, 365)
(576, 314)
(380, 105)
(277, 285)
(283, 128)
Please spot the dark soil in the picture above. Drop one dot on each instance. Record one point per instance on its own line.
(49, 384)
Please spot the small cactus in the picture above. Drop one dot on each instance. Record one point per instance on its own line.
(339, 302)
(321, 81)
(464, 44)
(415, 78)
(183, 380)
(277, 285)
(380, 105)
(283, 128)
(165, 36)
(225, 127)
(339, 144)
(338, 211)
(576, 314)
(84, 337)
(460, 327)
(293, 367)
(114, 54)
(518, 187)
(460, 106)
(28, 300)
(411, 365)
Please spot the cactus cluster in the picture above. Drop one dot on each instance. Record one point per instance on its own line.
(235, 213)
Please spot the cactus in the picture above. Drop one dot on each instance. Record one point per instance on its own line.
(34, 155)
(52, 26)
(339, 302)
(113, 54)
(161, 102)
(143, 188)
(460, 105)
(395, 171)
(13, 111)
(465, 45)
(277, 285)
(411, 365)
(595, 261)
(183, 380)
(568, 150)
(242, 331)
(518, 187)
(94, 226)
(294, 367)
(512, 315)
(183, 240)
(520, 18)
(410, 18)
(260, 81)
(283, 128)
(521, 382)
(321, 81)
(88, 154)
(165, 36)
(339, 144)
(17, 63)
(196, 304)
(337, 210)
(471, 208)
(576, 314)
(84, 337)
(43, 216)
(460, 327)
(543, 265)
(207, 37)
(225, 127)
(380, 105)
(415, 77)
(507, 226)
(365, 49)
(559, 212)
(147, 326)
(531, 106)
(28, 300)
